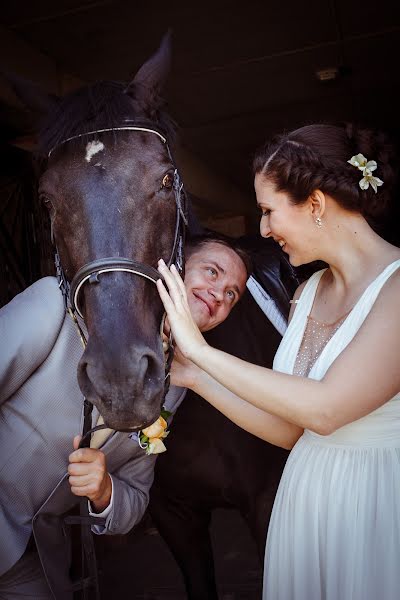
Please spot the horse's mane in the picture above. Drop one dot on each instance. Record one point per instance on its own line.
(101, 105)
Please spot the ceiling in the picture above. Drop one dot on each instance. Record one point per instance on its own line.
(242, 71)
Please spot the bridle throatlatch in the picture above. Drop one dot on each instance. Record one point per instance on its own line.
(91, 274)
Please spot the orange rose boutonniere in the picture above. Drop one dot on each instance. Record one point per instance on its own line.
(151, 438)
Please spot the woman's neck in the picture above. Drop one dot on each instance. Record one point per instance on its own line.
(354, 251)
(356, 255)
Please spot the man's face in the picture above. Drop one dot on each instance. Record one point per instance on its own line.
(215, 278)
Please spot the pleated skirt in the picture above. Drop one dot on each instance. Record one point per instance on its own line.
(334, 532)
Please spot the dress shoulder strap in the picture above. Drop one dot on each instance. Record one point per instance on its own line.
(370, 294)
(352, 323)
(305, 302)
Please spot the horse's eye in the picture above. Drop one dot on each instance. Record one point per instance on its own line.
(46, 201)
(168, 181)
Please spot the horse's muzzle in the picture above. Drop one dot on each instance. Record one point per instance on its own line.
(127, 391)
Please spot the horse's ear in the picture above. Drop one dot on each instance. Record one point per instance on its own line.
(152, 75)
(32, 96)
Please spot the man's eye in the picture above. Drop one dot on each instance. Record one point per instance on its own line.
(212, 271)
(265, 212)
(230, 294)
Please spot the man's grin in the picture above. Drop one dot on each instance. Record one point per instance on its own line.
(209, 305)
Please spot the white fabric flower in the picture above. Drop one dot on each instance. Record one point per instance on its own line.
(366, 166)
(358, 161)
(368, 180)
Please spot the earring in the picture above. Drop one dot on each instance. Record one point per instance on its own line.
(318, 221)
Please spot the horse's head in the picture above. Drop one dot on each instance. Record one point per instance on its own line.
(113, 194)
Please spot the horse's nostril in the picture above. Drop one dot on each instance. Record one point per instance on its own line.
(150, 368)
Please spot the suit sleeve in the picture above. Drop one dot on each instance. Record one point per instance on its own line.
(132, 482)
(29, 327)
(131, 487)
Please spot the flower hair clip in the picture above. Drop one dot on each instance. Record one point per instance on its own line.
(366, 166)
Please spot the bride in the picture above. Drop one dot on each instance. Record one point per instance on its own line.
(333, 395)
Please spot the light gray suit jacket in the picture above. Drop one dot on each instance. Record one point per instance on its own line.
(40, 413)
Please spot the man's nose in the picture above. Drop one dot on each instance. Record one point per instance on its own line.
(265, 230)
(217, 294)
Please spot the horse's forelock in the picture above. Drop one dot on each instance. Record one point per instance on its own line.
(101, 105)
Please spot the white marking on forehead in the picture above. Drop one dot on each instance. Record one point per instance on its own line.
(93, 148)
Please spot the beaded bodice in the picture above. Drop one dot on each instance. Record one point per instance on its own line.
(316, 336)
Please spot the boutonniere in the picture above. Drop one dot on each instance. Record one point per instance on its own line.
(151, 438)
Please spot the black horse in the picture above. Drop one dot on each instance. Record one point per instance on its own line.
(108, 181)
(212, 463)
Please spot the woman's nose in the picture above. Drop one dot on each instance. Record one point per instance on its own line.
(265, 231)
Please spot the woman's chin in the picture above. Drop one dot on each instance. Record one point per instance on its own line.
(294, 260)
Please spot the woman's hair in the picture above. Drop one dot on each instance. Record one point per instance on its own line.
(315, 157)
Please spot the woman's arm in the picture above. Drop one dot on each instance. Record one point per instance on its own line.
(361, 379)
(264, 425)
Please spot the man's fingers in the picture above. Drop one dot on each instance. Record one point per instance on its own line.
(84, 468)
(76, 442)
(86, 455)
(84, 490)
(80, 480)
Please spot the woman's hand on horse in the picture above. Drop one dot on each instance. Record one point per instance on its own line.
(88, 475)
(184, 329)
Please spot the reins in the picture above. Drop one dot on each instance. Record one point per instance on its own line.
(91, 274)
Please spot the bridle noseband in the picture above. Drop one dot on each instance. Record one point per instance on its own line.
(91, 271)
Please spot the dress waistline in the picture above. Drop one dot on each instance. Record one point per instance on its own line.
(381, 428)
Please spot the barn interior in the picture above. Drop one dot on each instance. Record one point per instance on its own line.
(241, 73)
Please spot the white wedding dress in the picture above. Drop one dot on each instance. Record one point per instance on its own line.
(334, 532)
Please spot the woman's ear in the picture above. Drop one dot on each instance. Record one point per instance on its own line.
(317, 204)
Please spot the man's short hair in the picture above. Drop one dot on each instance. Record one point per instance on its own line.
(195, 242)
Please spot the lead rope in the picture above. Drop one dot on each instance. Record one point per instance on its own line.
(88, 551)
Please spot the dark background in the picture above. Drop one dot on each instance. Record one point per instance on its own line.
(241, 72)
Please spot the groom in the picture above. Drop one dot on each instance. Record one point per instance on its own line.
(41, 475)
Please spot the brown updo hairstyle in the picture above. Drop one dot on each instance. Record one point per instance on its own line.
(315, 157)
